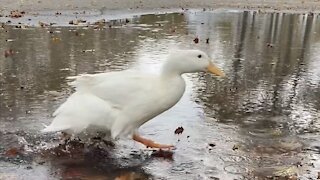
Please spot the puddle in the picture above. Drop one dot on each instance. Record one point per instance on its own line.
(262, 118)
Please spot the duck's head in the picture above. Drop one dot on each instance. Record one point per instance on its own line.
(189, 61)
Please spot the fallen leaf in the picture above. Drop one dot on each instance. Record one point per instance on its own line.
(73, 22)
(42, 24)
(16, 14)
(269, 45)
(163, 154)
(286, 171)
(100, 22)
(55, 39)
(12, 152)
(196, 40)
(8, 52)
(235, 147)
(129, 176)
(179, 130)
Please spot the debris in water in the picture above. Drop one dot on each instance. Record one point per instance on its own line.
(235, 147)
(196, 40)
(100, 22)
(163, 154)
(269, 45)
(72, 22)
(8, 52)
(212, 144)
(318, 175)
(129, 176)
(77, 22)
(13, 152)
(179, 130)
(21, 27)
(89, 50)
(55, 39)
(290, 172)
(42, 24)
(207, 40)
(127, 20)
(16, 14)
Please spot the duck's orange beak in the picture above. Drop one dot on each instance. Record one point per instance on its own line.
(215, 70)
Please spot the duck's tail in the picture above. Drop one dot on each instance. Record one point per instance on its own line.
(52, 128)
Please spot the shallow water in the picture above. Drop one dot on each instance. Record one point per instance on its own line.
(260, 121)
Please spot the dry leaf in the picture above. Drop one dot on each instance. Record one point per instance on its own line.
(42, 24)
(12, 152)
(196, 40)
(8, 52)
(16, 14)
(163, 154)
(179, 130)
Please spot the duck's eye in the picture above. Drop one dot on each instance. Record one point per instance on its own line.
(199, 56)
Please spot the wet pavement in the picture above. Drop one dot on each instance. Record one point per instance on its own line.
(261, 121)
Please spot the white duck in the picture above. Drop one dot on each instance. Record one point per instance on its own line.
(120, 102)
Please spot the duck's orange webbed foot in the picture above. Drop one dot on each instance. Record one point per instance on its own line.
(150, 143)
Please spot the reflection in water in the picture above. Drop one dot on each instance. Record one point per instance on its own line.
(263, 118)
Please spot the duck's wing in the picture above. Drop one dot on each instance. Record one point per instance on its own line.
(117, 88)
(99, 99)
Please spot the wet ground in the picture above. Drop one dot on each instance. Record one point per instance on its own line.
(261, 121)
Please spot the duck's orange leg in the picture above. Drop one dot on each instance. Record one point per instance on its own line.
(150, 143)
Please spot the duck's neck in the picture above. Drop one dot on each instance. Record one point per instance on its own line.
(169, 70)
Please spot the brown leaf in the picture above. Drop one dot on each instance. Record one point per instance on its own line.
(163, 154)
(269, 45)
(56, 39)
(100, 22)
(12, 152)
(179, 130)
(196, 40)
(42, 24)
(16, 14)
(8, 52)
(235, 147)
